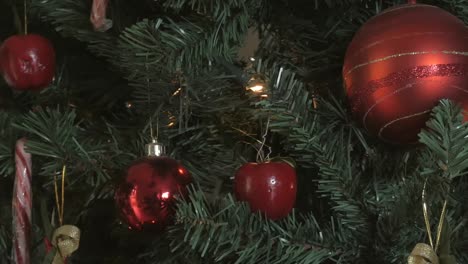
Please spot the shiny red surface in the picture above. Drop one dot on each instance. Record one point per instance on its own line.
(27, 62)
(400, 64)
(146, 197)
(267, 187)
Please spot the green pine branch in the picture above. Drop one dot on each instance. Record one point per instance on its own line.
(444, 167)
(202, 151)
(3, 246)
(8, 137)
(446, 139)
(227, 232)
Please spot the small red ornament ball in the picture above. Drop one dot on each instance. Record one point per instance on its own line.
(146, 198)
(400, 64)
(27, 62)
(267, 187)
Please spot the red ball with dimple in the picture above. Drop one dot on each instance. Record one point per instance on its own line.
(146, 198)
(269, 188)
(400, 64)
(27, 62)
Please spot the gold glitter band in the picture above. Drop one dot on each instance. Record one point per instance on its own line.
(448, 52)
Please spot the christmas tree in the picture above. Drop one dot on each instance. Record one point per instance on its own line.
(222, 84)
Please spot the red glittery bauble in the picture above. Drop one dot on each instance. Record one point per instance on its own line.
(27, 62)
(146, 198)
(400, 64)
(269, 188)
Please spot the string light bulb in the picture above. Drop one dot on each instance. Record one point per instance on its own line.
(257, 84)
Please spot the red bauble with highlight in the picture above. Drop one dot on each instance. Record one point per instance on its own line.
(27, 62)
(269, 188)
(400, 64)
(146, 198)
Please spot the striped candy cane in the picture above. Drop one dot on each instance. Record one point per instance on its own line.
(22, 203)
(98, 16)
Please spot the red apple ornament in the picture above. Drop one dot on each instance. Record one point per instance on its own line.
(146, 198)
(27, 62)
(267, 187)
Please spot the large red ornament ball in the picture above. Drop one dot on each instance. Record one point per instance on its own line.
(27, 62)
(146, 198)
(269, 188)
(400, 64)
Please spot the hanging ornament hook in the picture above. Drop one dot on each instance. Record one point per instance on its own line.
(260, 153)
(148, 90)
(154, 148)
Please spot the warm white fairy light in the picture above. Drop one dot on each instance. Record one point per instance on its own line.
(257, 88)
(258, 85)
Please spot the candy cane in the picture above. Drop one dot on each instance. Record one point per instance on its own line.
(98, 16)
(21, 205)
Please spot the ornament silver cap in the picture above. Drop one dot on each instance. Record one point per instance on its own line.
(155, 149)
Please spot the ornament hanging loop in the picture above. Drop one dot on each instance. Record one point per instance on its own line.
(423, 253)
(60, 202)
(426, 215)
(25, 26)
(440, 226)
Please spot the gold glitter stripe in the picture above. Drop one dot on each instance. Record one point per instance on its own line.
(453, 52)
(397, 120)
(382, 99)
(402, 37)
(404, 117)
(395, 92)
(458, 88)
(448, 52)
